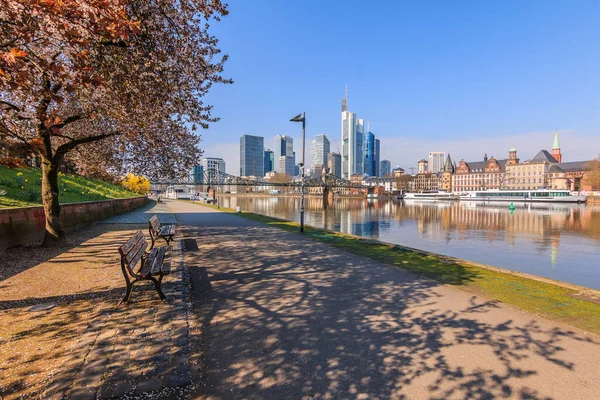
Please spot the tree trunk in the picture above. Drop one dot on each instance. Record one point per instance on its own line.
(54, 231)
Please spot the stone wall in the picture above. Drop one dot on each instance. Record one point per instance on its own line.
(27, 224)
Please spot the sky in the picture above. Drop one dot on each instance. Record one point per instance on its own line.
(465, 77)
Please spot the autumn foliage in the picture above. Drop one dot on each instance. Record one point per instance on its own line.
(109, 85)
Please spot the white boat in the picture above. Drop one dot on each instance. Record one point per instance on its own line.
(525, 196)
(433, 196)
(372, 196)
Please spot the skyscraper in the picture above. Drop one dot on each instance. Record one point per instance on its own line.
(385, 167)
(319, 148)
(334, 163)
(282, 146)
(287, 165)
(359, 166)
(352, 142)
(377, 156)
(197, 174)
(252, 155)
(269, 161)
(436, 161)
(369, 150)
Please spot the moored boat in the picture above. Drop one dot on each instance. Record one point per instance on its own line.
(433, 196)
(527, 196)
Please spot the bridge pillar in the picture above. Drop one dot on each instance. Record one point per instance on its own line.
(327, 196)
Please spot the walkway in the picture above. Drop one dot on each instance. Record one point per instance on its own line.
(290, 318)
(86, 346)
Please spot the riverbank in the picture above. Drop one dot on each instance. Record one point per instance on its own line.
(569, 304)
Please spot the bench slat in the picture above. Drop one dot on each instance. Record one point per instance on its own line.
(124, 249)
(158, 262)
(136, 260)
(154, 224)
(139, 246)
(145, 271)
(167, 230)
(166, 267)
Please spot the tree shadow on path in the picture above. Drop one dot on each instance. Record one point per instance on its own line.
(288, 317)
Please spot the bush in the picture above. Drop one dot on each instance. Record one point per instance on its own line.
(136, 183)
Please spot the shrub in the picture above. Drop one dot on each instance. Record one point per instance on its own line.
(136, 183)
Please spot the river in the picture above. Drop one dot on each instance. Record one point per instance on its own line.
(555, 241)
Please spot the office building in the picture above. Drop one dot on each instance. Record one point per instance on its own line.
(282, 146)
(196, 174)
(385, 167)
(369, 151)
(376, 157)
(287, 165)
(319, 148)
(252, 155)
(352, 142)
(334, 164)
(211, 163)
(269, 161)
(213, 167)
(436, 161)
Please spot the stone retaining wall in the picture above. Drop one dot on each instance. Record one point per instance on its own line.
(27, 224)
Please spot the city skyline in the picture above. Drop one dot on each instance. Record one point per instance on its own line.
(478, 73)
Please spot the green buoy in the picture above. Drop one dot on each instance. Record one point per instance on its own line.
(511, 208)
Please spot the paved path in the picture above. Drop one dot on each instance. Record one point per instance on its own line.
(143, 214)
(290, 318)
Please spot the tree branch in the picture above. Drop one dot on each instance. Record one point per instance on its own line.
(10, 105)
(63, 149)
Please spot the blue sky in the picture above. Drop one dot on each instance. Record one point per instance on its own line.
(466, 77)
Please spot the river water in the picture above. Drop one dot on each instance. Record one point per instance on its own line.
(555, 241)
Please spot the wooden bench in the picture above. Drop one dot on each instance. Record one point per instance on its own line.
(156, 231)
(151, 265)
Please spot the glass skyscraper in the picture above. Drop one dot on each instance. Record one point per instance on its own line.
(352, 143)
(269, 161)
(319, 148)
(369, 149)
(282, 146)
(252, 155)
(385, 167)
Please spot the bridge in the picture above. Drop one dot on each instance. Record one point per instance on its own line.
(222, 182)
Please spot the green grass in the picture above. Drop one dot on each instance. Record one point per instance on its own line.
(23, 188)
(542, 298)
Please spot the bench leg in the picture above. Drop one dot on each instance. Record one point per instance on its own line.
(128, 294)
(157, 286)
(151, 238)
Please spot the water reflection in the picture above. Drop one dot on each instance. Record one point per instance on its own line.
(552, 240)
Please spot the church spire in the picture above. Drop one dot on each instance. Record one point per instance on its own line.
(556, 148)
(556, 143)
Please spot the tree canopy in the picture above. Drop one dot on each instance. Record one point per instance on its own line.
(128, 73)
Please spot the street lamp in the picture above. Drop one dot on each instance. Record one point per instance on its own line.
(301, 118)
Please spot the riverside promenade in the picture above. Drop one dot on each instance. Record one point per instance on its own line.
(256, 312)
(285, 317)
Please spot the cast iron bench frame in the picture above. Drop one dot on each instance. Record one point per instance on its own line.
(152, 264)
(156, 231)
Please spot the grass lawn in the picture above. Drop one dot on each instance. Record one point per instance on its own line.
(572, 306)
(23, 188)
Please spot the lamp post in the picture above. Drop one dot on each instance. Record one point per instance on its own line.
(301, 118)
